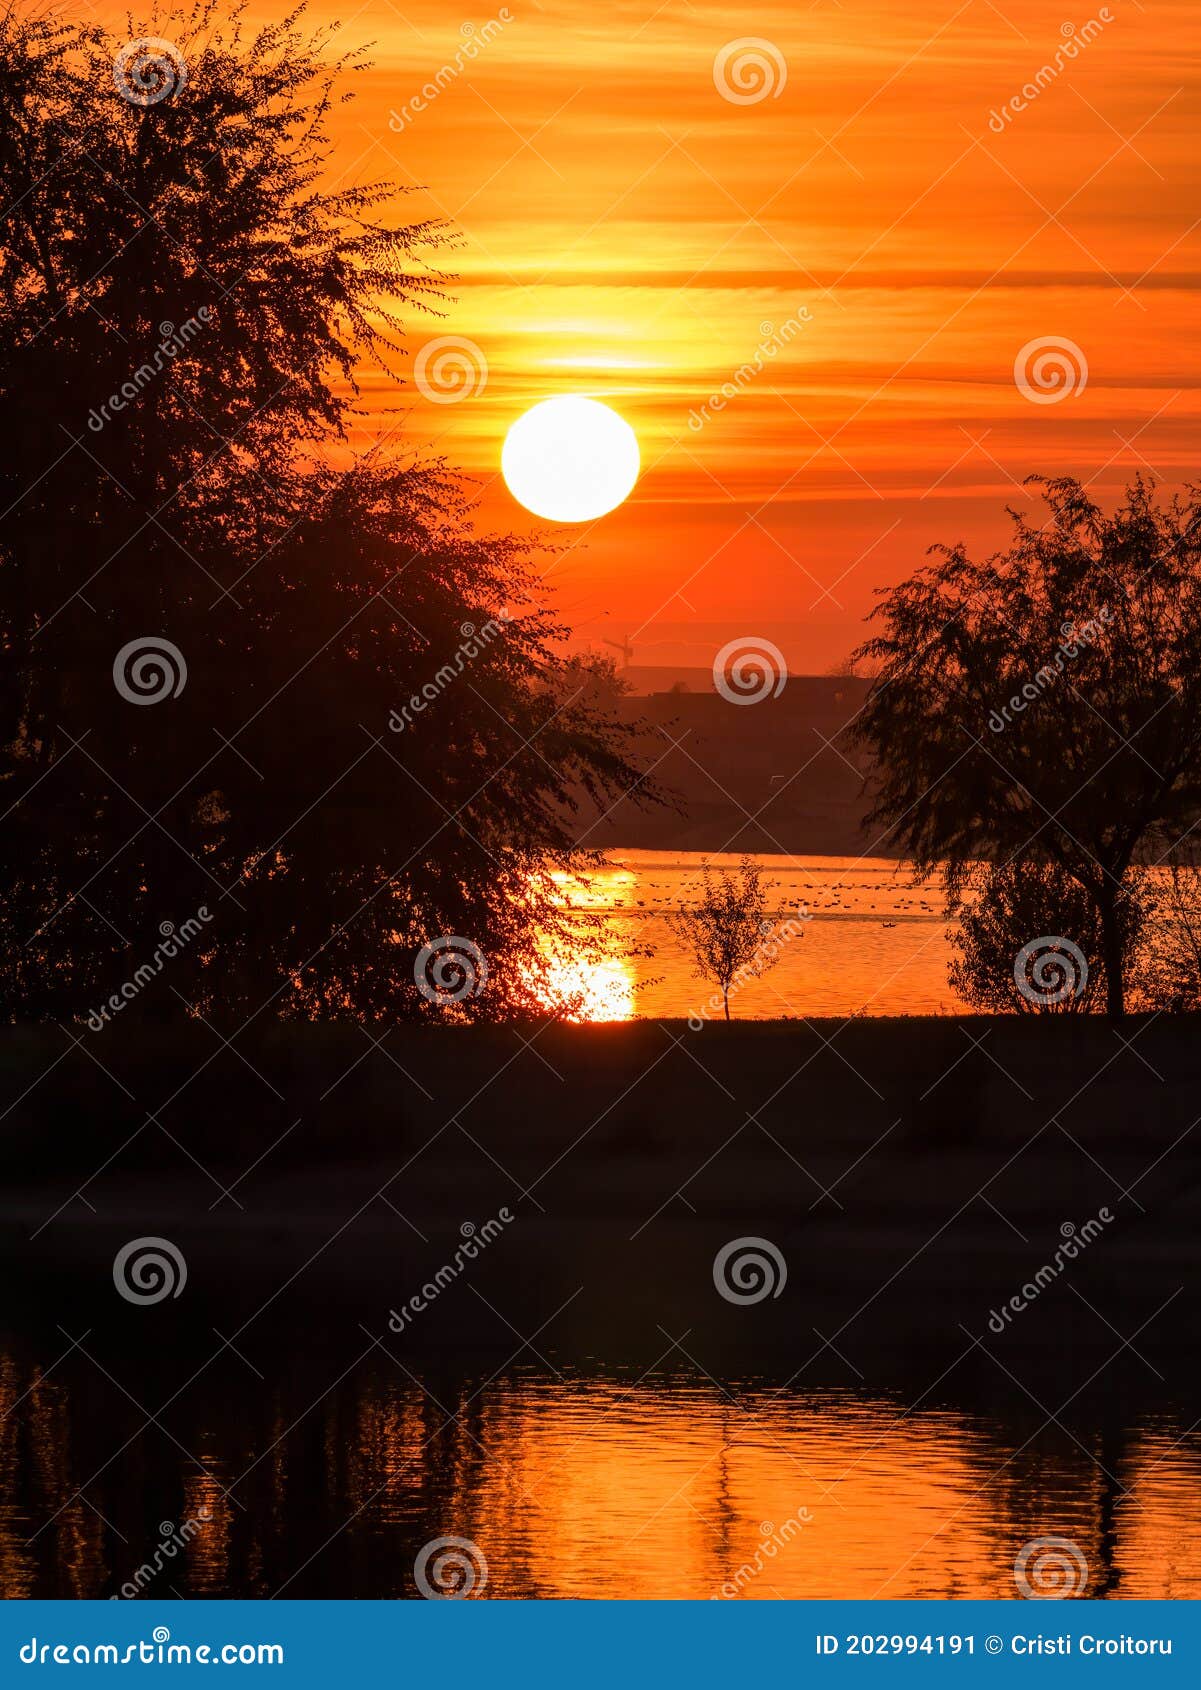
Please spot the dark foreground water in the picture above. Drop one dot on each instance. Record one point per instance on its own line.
(595, 1402)
(328, 1474)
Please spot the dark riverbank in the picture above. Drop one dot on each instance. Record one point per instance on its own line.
(913, 1174)
(577, 1399)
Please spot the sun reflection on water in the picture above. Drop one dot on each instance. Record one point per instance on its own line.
(594, 991)
(590, 983)
(877, 944)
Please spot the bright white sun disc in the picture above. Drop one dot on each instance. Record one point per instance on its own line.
(570, 459)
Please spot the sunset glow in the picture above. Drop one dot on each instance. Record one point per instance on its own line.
(876, 238)
(601, 930)
(872, 228)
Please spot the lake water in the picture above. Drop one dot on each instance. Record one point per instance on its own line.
(873, 943)
(321, 1480)
(320, 1459)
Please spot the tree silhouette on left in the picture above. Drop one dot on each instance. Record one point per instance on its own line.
(185, 315)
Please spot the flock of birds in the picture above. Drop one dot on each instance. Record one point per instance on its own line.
(919, 906)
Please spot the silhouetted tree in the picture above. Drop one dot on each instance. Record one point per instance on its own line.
(728, 930)
(363, 740)
(1168, 965)
(1046, 703)
(594, 677)
(1029, 939)
(183, 315)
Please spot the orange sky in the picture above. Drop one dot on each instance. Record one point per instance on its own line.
(628, 233)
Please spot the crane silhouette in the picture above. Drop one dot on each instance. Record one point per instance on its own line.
(624, 647)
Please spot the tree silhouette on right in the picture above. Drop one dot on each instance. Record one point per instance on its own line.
(1045, 705)
(1030, 941)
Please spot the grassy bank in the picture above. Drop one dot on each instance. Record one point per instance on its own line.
(913, 1173)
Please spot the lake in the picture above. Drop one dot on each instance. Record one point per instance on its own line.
(318, 1479)
(586, 1411)
(873, 943)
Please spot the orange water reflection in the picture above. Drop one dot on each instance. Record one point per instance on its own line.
(591, 990)
(582, 984)
(871, 942)
(642, 1493)
(582, 1487)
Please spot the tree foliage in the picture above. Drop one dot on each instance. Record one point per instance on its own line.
(367, 740)
(1168, 965)
(1046, 704)
(1028, 939)
(728, 931)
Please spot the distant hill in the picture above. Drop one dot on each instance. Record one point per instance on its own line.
(645, 678)
(779, 775)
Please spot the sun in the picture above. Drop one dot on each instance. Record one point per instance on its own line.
(570, 459)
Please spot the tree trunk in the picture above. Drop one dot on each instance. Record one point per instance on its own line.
(725, 994)
(1111, 956)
